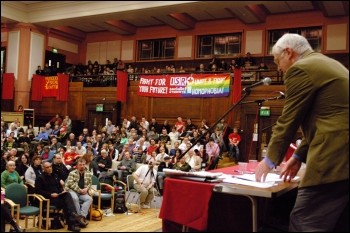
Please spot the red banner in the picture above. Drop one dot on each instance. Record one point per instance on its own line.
(8, 85)
(50, 86)
(36, 88)
(237, 85)
(62, 94)
(122, 85)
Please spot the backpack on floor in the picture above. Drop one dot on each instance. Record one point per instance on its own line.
(119, 203)
(97, 214)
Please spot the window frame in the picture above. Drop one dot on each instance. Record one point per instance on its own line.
(315, 33)
(156, 49)
(219, 45)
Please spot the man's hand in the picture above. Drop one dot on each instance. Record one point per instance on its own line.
(83, 191)
(290, 170)
(54, 195)
(261, 171)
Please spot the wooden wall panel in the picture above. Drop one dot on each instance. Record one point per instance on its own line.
(103, 53)
(337, 37)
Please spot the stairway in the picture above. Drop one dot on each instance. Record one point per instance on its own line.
(225, 161)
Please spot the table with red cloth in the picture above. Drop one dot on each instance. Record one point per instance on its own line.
(186, 202)
(190, 205)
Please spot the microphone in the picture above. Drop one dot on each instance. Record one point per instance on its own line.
(282, 96)
(266, 81)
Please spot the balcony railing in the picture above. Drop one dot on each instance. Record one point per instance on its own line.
(248, 77)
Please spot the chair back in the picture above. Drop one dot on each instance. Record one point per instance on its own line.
(130, 183)
(95, 181)
(17, 193)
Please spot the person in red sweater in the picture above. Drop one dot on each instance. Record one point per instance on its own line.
(69, 157)
(234, 140)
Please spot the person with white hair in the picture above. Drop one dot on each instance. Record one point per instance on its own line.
(10, 175)
(12, 129)
(317, 100)
(103, 162)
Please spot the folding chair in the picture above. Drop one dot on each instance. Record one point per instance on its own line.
(132, 191)
(19, 200)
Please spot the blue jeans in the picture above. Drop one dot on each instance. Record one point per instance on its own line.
(85, 200)
(234, 152)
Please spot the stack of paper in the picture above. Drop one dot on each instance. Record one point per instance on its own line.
(203, 174)
(249, 179)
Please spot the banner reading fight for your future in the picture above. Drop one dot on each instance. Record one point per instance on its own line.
(185, 85)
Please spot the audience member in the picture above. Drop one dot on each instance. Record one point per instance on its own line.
(39, 71)
(42, 135)
(144, 181)
(69, 157)
(234, 139)
(249, 60)
(126, 166)
(22, 165)
(55, 120)
(182, 165)
(49, 187)
(10, 175)
(78, 184)
(59, 169)
(32, 172)
(103, 163)
(193, 160)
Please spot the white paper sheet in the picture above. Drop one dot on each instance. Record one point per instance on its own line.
(249, 179)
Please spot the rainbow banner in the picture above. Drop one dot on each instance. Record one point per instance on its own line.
(185, 85)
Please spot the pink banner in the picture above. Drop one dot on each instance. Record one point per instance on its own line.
(184, 85)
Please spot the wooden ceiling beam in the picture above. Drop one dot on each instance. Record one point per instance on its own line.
(122, 25)
(258, 12)
(71, 31)
(184, 19)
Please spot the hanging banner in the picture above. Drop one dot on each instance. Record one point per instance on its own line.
(49, 86)
(184, 85)
(122, 86)
(8, 85)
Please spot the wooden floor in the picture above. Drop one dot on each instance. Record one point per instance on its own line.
(145, 221)
(225, 161)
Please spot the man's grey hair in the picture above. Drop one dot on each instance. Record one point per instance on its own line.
(290, 40)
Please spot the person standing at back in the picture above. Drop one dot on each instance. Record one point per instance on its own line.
(317, 100)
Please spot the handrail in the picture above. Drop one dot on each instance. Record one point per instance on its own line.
(101, 80)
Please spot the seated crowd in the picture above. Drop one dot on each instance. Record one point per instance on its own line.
(60, 153)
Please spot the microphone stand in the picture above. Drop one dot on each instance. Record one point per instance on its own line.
(246, 93)
(260, 102)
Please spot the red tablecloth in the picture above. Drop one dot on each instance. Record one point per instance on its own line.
(186, 202)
